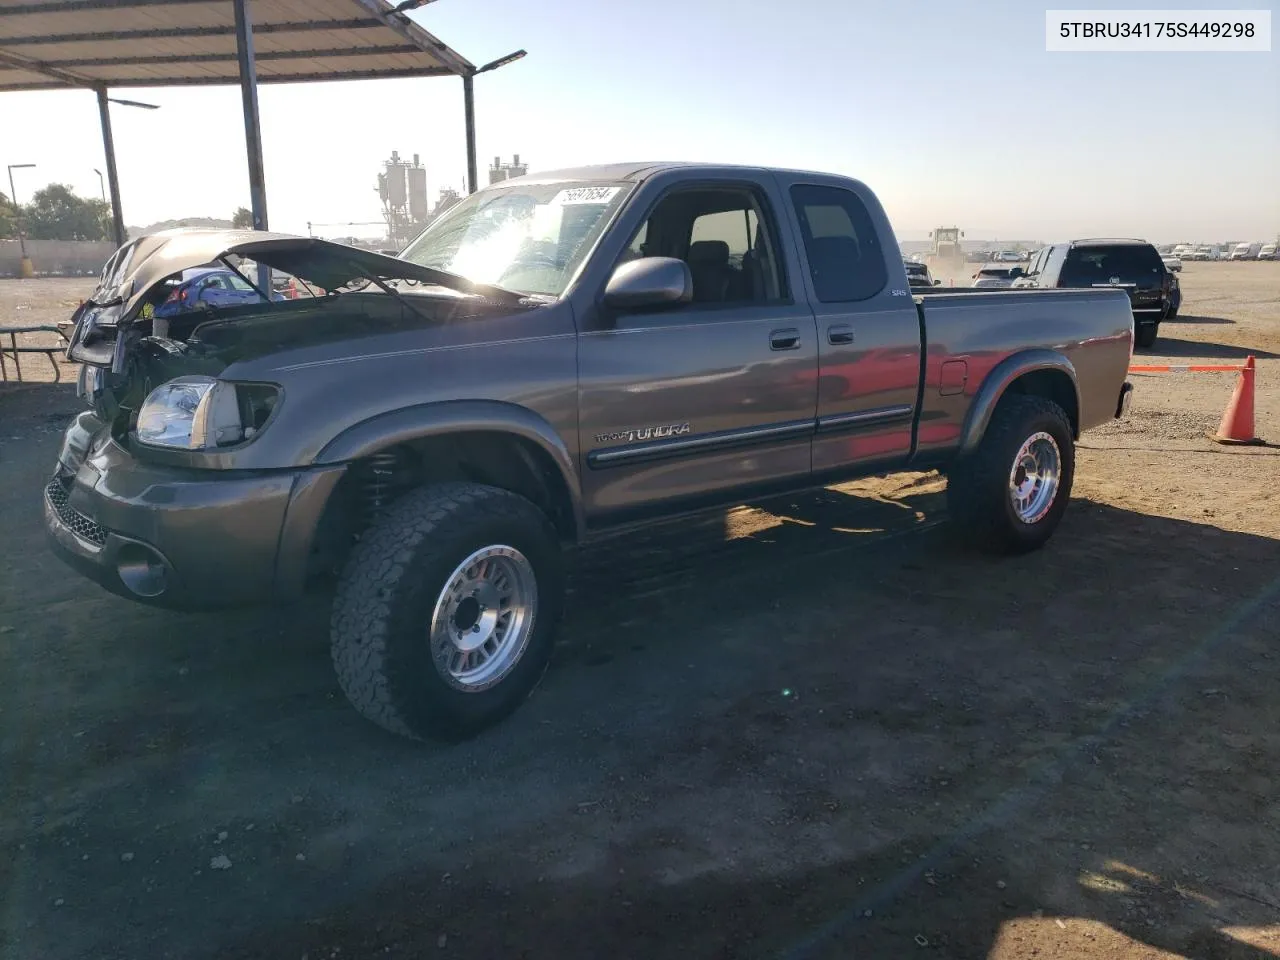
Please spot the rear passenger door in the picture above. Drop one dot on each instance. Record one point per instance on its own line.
(701, 401)
(868, 328)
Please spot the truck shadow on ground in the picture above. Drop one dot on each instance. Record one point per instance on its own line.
(1173, 347)
(964, 907)
(759, 726)
(1097, 795)
(1192, 318)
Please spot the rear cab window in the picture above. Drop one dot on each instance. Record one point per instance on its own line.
(840, 242)
(1130, 264)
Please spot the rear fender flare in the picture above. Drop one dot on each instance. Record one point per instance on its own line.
(997, 382)
(456, 416)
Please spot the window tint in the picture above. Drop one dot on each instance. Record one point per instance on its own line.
(845, 259)
(723, 235)
(1128, 263)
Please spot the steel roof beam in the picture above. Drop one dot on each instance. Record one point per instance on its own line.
(415, 34)
(86, 6)
(234, 80)
(183, 33)
(37, 66)
(233, 58)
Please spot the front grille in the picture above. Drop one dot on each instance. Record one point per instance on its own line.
(84, 528)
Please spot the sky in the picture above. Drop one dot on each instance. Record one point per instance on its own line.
(952, 113)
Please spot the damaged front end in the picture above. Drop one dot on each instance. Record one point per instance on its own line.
(158, 378)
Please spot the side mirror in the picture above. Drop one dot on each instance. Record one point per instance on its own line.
(937, 283)
(1016, 272)
(649, 282)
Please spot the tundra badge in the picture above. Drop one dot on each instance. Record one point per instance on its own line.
(638, 434)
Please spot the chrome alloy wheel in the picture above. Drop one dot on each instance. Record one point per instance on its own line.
(483, 618)
(1035, 477)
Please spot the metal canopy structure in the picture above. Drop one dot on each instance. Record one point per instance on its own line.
(100, 44)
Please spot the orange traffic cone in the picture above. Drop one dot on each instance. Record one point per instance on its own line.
(1237, 419)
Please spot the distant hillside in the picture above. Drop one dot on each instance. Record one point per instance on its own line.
(210, 222)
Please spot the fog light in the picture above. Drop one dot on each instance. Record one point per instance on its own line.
(141, 570)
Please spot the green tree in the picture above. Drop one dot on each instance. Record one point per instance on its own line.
(8, 226)
(56, 213)
(242, 219)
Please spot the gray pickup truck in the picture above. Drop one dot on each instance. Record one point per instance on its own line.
(556, 356)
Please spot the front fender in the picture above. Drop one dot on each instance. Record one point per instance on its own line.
(997, 382)
(455, 416)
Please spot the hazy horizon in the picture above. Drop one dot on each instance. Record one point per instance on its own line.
(953, 116)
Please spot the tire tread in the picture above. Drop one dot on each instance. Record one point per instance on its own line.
(977, 484)
(361, 623)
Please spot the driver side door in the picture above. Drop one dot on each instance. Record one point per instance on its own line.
(704, 401)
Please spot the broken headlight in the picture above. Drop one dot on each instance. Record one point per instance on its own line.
(201, 413)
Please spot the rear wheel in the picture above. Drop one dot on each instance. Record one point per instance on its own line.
(1144, 335)
(1009, 495)
(444, 618)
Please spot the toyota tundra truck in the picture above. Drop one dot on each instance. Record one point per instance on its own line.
(556, 356)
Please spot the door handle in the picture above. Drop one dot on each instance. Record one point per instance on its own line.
(788, 339)
(839, 333)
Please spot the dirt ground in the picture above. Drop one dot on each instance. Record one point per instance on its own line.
(822, 729)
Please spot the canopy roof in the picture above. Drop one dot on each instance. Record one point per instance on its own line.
(58, 44)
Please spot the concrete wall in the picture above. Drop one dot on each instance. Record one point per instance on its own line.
(56, 258)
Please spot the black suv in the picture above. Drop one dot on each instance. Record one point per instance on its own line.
(1134, 265)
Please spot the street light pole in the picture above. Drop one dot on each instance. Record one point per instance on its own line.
(109, 149)
(102, 188)
(26, 268)
(469, 113)
(469, 118)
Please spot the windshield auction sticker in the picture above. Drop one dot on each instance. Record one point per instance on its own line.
(1158, 31)
(585, 195)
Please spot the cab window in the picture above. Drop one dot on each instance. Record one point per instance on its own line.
(840, 242)
(725, 236)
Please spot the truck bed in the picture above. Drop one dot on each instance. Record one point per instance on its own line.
(938, 291)
(1091, 328)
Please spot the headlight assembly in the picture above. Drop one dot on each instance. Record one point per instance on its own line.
(201, 413)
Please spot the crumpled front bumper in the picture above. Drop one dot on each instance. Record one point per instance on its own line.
(180, 538)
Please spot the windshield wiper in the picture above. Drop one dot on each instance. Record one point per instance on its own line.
(387, 288)
(489, 291)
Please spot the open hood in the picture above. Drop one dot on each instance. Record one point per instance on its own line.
(140, 264)
(136, 268)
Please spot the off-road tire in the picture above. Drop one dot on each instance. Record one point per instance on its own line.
(1145, 334)
(380, 625)
(978, 484)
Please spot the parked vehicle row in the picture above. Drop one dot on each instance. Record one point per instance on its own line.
(1238, 251)
(645, 340)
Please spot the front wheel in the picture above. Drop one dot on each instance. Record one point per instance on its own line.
(1009, 494)
(444, 618)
